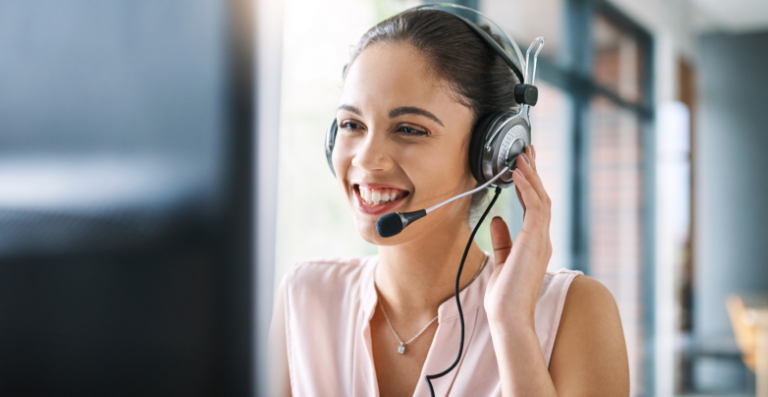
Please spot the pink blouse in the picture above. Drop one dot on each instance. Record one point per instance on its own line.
(328, 307)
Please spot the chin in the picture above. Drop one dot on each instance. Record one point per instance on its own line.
(366, 228)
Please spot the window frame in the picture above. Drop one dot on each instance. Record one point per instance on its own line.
(573, 76)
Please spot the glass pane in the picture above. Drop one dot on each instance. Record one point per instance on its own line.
(615, 219)
(525, 20)
(550, 131)
(618, 60)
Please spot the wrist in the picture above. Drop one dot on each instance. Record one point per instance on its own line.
(512, 323)
(513, 337)
(510, 311)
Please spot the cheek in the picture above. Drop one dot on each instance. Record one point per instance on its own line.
(438, 170)
(341, 158)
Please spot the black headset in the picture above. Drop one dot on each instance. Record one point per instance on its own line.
(499, 137)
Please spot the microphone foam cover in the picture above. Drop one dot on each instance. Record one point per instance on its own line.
(389, 225)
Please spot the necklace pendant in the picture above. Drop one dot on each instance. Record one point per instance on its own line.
(401, 348)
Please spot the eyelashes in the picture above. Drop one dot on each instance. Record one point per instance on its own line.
(401, 129)
(349, 125)
(412, 131)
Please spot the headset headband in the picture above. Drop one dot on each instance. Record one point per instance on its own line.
(483, 34)
(525, 92)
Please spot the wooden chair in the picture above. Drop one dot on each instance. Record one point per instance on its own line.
(749, 319)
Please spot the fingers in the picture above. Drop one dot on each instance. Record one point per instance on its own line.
(501, 240)
(527, 164)
(536, 215)
(528, 169)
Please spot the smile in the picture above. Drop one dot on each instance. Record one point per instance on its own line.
(378, 199)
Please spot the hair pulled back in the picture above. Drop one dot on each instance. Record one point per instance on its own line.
(455, 54)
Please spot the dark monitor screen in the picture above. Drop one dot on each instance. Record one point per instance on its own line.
(125, 131)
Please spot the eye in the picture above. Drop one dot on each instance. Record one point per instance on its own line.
(350, 125)
(406, 130)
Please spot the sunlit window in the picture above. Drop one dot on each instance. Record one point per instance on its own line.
(312, 217)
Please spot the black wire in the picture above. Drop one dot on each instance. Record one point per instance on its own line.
(458, 301)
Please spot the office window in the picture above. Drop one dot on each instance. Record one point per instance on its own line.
(526, 20)
(618, 60)
(615, 217)
(594, 78)
(312, 217)
(551, 125)
(617, 184)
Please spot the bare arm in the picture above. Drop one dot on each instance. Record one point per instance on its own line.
(280, 383)
(522, 368)
(589, 356)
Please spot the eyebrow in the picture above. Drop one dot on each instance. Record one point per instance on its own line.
(396, 112)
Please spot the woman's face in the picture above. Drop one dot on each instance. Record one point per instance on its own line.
(402, 143)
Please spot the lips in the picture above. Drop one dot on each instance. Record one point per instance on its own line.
(377, 199)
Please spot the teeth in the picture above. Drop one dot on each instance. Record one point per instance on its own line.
(377, 197)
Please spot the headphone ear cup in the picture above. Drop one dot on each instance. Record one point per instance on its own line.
(507, 134)
(330, 141)
(480, 134)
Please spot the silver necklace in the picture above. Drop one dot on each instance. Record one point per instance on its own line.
(401, 348)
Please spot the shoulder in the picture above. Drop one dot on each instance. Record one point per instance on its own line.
(589, 305)
(586, 290)
(589, 349)
(319, 269)
(564, 275)
(589, 302)
(326, 275)
(555, 286)
(325, 297)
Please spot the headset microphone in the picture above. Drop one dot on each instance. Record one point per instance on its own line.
(393, 223)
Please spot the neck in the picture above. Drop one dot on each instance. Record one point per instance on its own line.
(414, 278)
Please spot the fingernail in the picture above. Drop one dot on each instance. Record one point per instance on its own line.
(525, 157)
(533, 152)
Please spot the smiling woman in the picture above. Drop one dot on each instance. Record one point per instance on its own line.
(411, 152)
(416, 87)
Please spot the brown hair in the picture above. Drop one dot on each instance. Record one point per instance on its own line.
(456, 54)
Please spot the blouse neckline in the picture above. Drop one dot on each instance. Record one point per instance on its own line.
(471, 296)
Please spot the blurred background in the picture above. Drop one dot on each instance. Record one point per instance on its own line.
(161, 168)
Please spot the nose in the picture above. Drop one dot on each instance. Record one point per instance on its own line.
(372, 155)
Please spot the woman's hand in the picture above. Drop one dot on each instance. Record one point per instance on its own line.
(513, 289)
